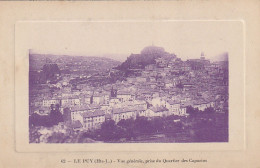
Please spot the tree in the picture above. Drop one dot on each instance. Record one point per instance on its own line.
(128, 123)
(110, 131)
(57, 137)
(37, 120)
(50, 71)
(142, 125)
(128, 126)
(192, 111)
(158, 124)
(205, 131)
(55, 114)
(209, 110)
(67, 114)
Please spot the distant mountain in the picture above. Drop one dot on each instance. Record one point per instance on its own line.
(37, 61)
(146, 57)
(117, 57)
(221, 57)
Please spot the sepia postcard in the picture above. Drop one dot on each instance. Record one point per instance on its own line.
(129, 89)
(163, 82)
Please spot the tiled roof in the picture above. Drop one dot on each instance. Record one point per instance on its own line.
(94, 106)
(80, 108)
(93, 114)
(123, 110)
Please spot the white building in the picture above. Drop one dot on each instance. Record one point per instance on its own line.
(174, 107)
(49, 102)
(124, 96)
(93, 120)
(123, 113)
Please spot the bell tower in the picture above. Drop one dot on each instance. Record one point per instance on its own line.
(202, 56)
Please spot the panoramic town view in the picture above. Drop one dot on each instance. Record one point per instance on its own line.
(152, 96)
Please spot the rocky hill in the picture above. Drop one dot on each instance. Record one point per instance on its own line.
(146, 57)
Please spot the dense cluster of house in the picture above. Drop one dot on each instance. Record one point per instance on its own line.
(165, 88)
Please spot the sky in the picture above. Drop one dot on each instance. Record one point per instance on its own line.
(118, 39)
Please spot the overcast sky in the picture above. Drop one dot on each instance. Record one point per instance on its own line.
(187, 39)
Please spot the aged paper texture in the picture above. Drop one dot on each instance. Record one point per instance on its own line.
(202, 30)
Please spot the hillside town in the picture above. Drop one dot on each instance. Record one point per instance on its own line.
(168, 86)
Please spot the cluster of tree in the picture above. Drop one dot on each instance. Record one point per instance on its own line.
(200, 126)
(50, 72)
(213, 129)
(130, 129)
(193, 112)
(206, 126)
(53, 118)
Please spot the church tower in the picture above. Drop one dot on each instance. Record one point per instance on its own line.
(202, 56)
(113, 93)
